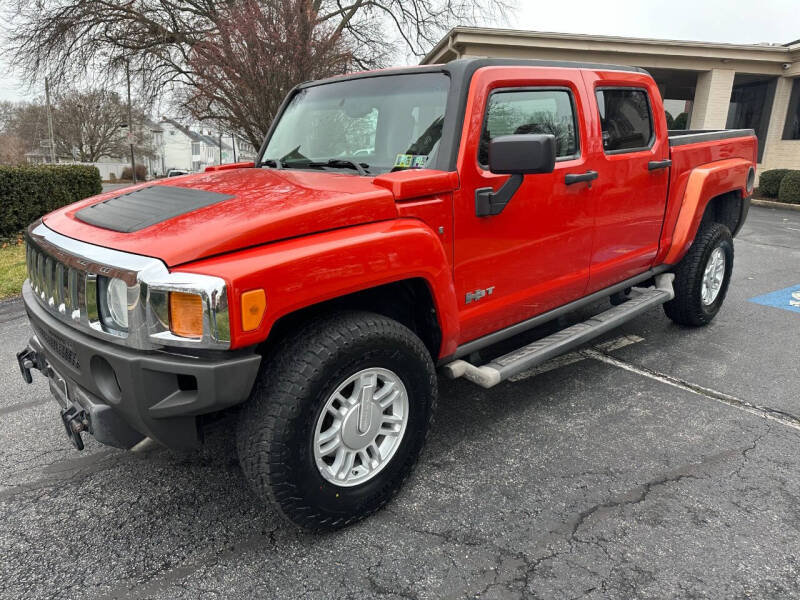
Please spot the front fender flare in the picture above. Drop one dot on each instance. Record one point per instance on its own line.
(308, 270)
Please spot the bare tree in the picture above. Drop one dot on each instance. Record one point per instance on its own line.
(94, 124)
(215, 51)
(240, 89)
(25, 126)
(90, 125)
(12, 149)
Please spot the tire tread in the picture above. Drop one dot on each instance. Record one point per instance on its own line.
(686, 308)
(274, 404)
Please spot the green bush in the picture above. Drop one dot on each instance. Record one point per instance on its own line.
(681, 121)
(27, 193)
(790, 188)
(769, 182)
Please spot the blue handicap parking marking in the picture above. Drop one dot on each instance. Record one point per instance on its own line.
(787, 299)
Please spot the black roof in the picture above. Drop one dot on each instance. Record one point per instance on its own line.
(468, 66)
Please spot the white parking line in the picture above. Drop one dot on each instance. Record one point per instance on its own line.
(761, 411)
(573, 357)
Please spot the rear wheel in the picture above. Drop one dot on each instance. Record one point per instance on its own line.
(337, 421)
(702, 277)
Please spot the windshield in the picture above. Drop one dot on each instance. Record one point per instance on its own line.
(371, 125)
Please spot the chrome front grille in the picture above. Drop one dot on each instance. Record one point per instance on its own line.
(63, 274)
(59, 287)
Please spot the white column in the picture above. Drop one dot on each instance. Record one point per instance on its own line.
(712, 97)
(779, 152)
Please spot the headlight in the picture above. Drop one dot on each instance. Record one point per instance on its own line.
(113, 300)
(161, 308)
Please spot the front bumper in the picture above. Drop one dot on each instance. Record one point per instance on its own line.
(128, 394)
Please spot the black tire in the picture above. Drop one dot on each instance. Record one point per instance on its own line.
(688, 308)
(276, 427)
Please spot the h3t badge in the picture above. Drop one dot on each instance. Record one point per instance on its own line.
(478, 294)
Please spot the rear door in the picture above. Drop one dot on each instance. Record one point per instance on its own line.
(629, 150)
(534, 255)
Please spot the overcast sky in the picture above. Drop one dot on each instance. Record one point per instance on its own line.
(703, 20)
(728, 21)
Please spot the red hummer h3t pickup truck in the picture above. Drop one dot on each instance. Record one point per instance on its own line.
(394, 223)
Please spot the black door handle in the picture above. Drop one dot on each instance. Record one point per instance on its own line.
(589, 176)
(658, 164)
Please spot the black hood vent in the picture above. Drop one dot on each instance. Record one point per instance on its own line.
(144, 207)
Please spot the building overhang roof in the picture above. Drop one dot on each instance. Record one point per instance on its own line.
(450, 46)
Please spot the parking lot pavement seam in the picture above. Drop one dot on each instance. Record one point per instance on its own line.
(764, 412)
(762, 245)
(72, 475)
(162, 578)
(22, 406)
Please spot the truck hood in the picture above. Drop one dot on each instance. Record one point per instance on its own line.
(243, 207)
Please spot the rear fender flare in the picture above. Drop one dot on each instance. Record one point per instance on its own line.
(705, 182)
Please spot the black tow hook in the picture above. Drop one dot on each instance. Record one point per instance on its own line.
(75, 421)
(28, 359)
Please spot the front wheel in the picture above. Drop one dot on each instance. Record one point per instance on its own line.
(702, 277)
(338, 419)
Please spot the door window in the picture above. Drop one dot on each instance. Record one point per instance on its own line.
(626, 119)
(515, 112)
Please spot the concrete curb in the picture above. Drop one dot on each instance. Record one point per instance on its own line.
(771, 204)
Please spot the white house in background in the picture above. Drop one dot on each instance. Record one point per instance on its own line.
(182, 148)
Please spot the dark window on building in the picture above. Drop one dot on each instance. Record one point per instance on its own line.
(751, 105)
(531, 111)
(677, 89)
(626, 119)
(792, 129)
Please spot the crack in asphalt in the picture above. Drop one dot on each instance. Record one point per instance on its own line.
(568, 532)
(644, 491)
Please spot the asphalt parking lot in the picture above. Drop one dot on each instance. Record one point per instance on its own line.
(661, 462)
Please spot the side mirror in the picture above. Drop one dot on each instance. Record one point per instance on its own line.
(523, 154)
(516, 155)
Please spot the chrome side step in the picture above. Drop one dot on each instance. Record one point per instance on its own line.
(563, 341)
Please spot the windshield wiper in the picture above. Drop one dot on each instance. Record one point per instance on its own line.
(341, 163)
(277, 163)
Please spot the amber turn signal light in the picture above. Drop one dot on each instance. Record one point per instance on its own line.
(186, 314)
(254, 303)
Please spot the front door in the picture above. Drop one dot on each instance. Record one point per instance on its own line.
(630, 153)
(534, 255)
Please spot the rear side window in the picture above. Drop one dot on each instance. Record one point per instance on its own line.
(626, 119)
(515, 112)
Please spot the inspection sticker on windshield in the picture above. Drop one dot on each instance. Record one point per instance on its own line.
(787, 299)
(411, 161)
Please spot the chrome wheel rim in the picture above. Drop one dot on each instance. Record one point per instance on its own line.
(361, 427)
(713, 276)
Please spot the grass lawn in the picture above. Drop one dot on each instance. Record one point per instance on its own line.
(12, 270)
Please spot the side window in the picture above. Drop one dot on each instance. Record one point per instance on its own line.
(531, 111)
(626, 119)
